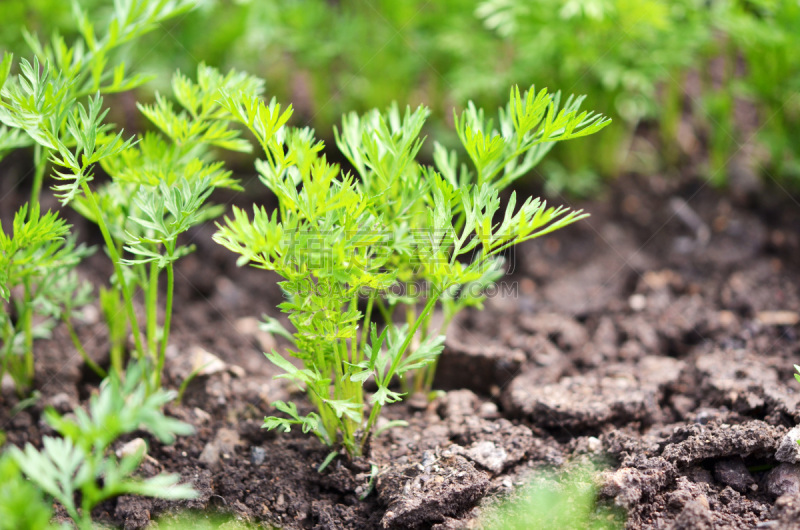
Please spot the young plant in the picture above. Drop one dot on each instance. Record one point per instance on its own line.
(40, 100)
(159, 190)
(555, 499)
(159, 186)
(383, 148)
(38, 288)
(42, 106)
(81, 460)
(22, 505)
(336, 240)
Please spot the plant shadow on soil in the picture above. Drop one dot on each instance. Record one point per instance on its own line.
(657, 336)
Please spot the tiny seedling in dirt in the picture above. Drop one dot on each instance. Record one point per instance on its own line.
(338, 241)
(160, 182)
(22, 505)
(81, 460)
(38, 288)
(563, 500)
(464, 198)
(54, 105)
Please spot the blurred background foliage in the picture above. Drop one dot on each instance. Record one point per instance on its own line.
(709, 84)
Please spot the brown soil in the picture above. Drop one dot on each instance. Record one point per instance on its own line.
(658, 336)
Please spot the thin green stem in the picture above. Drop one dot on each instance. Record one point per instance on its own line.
(85, 522)
(40, 155)
(354, 340)
(116, 328)
(115, 258)
(423, 375)
(367, 326)
(430, 370)
(76, 341)
(345, 392)
(151, 300)
(8, 342)
(411, 314)
(411, 317)
(376, 409)
(162, 355)
(337, 369)
(27, 326)
(386, 313)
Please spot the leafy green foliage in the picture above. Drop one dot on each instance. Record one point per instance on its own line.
(38, 286)
(81, 460)
(764, 35)
(160, 182)
(43, 99)
(22, 505)
(337, 240)
(54, 104)
(633, 59)
(41, 16)
(159, 189)
(445, 217)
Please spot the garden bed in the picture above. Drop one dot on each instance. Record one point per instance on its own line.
(657, 338)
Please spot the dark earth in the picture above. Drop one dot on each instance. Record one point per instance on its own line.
(655, 339)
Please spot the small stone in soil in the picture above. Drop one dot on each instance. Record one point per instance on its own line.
(133, 447)
(637, 302)
(252, 327)
(258, 455)
(488, 410)
(732, 472)
(202, 416)
(789, 449)
(223, 445)
(488, 455)
(418, 401)
(784, 480)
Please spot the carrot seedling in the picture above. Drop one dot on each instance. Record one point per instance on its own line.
(342, 243)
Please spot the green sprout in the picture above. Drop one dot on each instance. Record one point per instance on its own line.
(81, 461)
(383, 148)
(338, 241)
(160, 182)
(54, 104)
(39, 286)
(555, 500)
(22, 505)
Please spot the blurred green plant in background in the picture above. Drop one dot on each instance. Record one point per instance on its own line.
(660, 68)
(759, 52)
(620, 52)
(563, 500)
(41, 17)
